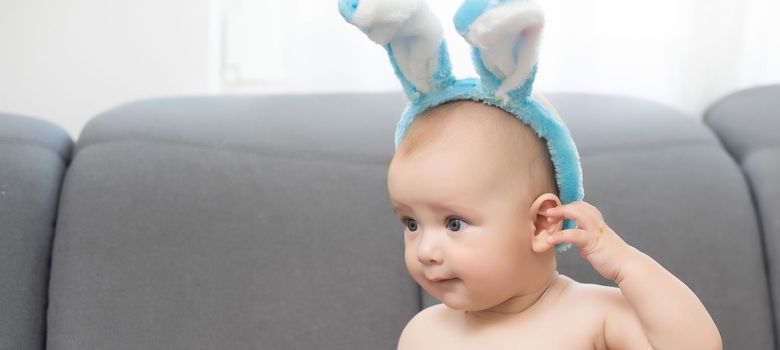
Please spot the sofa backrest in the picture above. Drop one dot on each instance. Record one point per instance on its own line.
(33, 157)
(236, 222)
(263, 221)
(748, 124)
(665, 184)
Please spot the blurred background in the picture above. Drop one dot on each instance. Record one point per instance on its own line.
(67, 60)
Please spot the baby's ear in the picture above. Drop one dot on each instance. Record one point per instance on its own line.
(505, 38)
(543, 228)
(413, 38)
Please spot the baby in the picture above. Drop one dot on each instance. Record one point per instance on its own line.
(475, 190)
(487, 182)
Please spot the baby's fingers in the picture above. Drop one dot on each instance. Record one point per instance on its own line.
(554, 220)
(577, 237)
(585, 215)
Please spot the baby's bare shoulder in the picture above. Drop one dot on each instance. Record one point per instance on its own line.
(596, 293)
(424, 326)
(621, 326)
(589, 298)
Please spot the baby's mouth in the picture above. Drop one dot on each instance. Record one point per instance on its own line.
(443, 280)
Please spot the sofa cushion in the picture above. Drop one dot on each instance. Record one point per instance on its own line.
(346, 126)
(178, 215)
(667, 187)
(747, 120)
(232, 223)
(33, 157)
(748, 124)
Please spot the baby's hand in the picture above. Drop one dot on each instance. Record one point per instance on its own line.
(596, 242)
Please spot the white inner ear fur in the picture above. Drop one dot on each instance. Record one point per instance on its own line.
(411, 29)
(416, 48)
(495, 34)
(384, 15)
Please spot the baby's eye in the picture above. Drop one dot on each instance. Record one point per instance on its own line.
(411, 224)
(455, 224)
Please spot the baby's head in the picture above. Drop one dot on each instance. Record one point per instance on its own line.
(468, 182)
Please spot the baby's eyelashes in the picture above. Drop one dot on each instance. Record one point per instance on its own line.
(452, 224)
(455, 224)
(411, 224)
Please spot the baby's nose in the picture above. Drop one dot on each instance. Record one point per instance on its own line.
(429, 250)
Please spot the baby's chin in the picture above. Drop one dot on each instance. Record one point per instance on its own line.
(460, 305)
(452, 299)
(458, 301)
(454, 304)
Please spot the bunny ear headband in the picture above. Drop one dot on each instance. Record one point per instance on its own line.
(504, 35)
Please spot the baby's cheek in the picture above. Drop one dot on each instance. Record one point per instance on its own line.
(415, 269)
(410, 259)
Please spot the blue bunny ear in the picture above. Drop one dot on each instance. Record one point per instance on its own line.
(505, 37)
(413, 38)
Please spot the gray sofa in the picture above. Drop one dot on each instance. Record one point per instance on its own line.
(262, 222)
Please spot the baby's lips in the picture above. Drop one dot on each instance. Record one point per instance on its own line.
(441, 279)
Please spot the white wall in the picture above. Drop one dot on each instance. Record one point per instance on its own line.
(682, 53)
(67, 60)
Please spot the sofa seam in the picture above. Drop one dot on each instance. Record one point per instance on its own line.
(759, 226)
(765, 250)
(268, 154)
(367, 158)
(639, 149)
(26, 142)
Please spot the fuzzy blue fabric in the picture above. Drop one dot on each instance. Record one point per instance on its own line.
(469, 12)
(347, 8)
(444, 87)
(442, 78)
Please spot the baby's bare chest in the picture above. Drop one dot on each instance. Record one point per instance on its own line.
(562, 339)
(566, 333)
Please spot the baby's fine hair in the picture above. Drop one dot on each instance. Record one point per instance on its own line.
(526, 153)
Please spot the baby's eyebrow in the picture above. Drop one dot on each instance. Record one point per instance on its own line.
(438, 207)
(455, 208)
(397, 207)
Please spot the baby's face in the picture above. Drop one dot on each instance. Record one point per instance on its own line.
(467, 224)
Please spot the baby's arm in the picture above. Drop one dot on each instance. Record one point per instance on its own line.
(671, 315)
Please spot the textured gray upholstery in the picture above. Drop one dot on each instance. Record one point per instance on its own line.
(748, 123)
(33, 157)
(235, 223)
(669, 189)
(344, 126)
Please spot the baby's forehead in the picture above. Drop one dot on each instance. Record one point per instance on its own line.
(467, 114)
(496, 144)
(477, 127)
